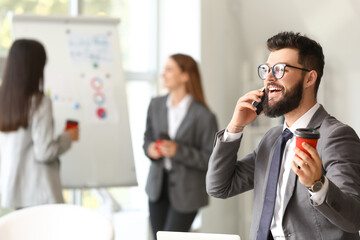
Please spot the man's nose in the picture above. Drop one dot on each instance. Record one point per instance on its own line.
(270, 77)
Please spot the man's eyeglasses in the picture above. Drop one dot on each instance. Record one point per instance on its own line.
(278, 70)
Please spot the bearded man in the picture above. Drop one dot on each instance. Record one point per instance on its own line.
(311, 194)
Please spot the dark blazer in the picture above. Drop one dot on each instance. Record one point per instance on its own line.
(195, 138)
(338, 217)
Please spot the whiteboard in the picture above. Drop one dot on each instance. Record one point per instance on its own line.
(85, 80)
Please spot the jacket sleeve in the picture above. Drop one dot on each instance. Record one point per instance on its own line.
(197, 155)
(341, 161)
(226, 176)
(149, 131)
(46, 148)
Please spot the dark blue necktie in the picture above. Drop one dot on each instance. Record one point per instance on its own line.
(270, 194)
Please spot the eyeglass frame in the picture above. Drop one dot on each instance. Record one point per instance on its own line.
(272, 69)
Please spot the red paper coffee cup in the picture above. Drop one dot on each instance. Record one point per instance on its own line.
(71, 124)
(308, 135)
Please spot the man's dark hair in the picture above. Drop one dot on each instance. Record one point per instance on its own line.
(310, 52)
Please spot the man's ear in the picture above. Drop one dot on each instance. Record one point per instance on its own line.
(311, 78)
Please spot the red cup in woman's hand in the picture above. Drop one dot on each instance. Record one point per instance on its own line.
(159, 142)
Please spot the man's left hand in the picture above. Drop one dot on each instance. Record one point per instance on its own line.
(310, 165)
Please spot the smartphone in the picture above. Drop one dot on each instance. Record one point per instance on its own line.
(71, 124)
(259, 105)
(164, 136)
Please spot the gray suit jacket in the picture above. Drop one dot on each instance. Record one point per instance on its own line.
(338, 217)
(194, 137)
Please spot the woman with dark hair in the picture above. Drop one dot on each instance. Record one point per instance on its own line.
(178, 140)
(29, 153)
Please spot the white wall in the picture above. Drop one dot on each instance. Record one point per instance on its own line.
(179, 28)
(220, 64)
(233, 44)
(179, 31)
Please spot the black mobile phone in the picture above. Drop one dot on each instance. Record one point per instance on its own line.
(164, 136)
(259, 105)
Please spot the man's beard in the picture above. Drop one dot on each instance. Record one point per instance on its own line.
(290, 101)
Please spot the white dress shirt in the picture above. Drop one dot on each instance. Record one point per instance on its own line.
(289, 154)
(176, 115)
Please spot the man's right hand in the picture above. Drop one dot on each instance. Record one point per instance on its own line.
(244, 112)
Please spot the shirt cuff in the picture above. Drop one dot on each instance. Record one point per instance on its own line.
(230, 137)
(319, 197)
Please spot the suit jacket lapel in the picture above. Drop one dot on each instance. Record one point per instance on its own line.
(318, 118)
(163, 117)
(315, 122)
(289, 188)
(186, 122)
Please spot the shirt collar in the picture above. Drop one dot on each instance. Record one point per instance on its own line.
(304, 120)
(184, 103)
